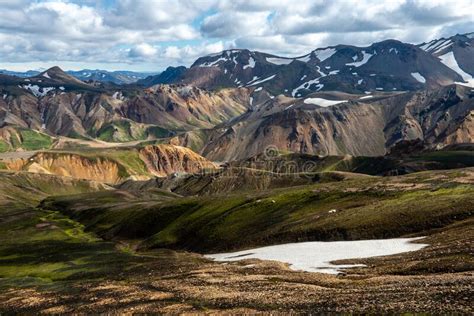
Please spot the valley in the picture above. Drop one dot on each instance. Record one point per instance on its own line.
(101, 249)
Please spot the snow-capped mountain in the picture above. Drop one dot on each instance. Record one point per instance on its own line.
(117, 77)
(384, 66)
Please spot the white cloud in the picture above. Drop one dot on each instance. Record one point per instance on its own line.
(158, 33)
(143, 50)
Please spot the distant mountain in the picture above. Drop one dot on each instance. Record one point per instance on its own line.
(49, 81)
(25, 74)
(385, 66)
(117, 77)
(170, 75)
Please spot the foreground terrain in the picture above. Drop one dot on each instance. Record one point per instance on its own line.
(82, 246)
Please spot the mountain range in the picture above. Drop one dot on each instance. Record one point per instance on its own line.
(333, 101)
(117, 77)
(384, 66)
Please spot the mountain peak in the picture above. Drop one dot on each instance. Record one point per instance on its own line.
(53, 71)
(57, 75)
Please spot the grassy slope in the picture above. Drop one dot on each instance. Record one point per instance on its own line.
(128, 159)
(26, 139)
(366, 208)
(384, 165)
(39, 246)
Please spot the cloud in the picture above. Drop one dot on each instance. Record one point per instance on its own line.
(143, 50)
(227, 24)
(158, 33)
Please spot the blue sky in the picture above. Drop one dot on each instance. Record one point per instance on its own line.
(149, 35)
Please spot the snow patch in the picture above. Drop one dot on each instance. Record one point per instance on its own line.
(426, 46)
(450, 61)
(253, 79)
(261, 81)
(316, 256)
(437, 45)
(418, 77)
(365, 58)
(279, 61)
(366, 97)
(305, 85)
(442, 47)
(323, 54)
(117, 95)
(393, 50)
(46, 75)
(251, 63)
(213, 63)
(323, 102)
(360, 81)
(36, 90)
(258, 89)
(304, 59)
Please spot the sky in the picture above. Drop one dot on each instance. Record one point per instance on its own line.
(150, 35)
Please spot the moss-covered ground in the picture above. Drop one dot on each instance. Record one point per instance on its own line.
(370, 207)
(90, 249)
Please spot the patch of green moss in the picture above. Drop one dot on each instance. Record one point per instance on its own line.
(4, 147)
(32, 140)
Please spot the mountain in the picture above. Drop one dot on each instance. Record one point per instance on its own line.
(56, 75)
(456, 52)
(233, 104)
(170, 75)
(22, 74)
(338, 124)
(51, 80)
(117, 77)
(113, 166)
(58, 104)
(385, 66)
